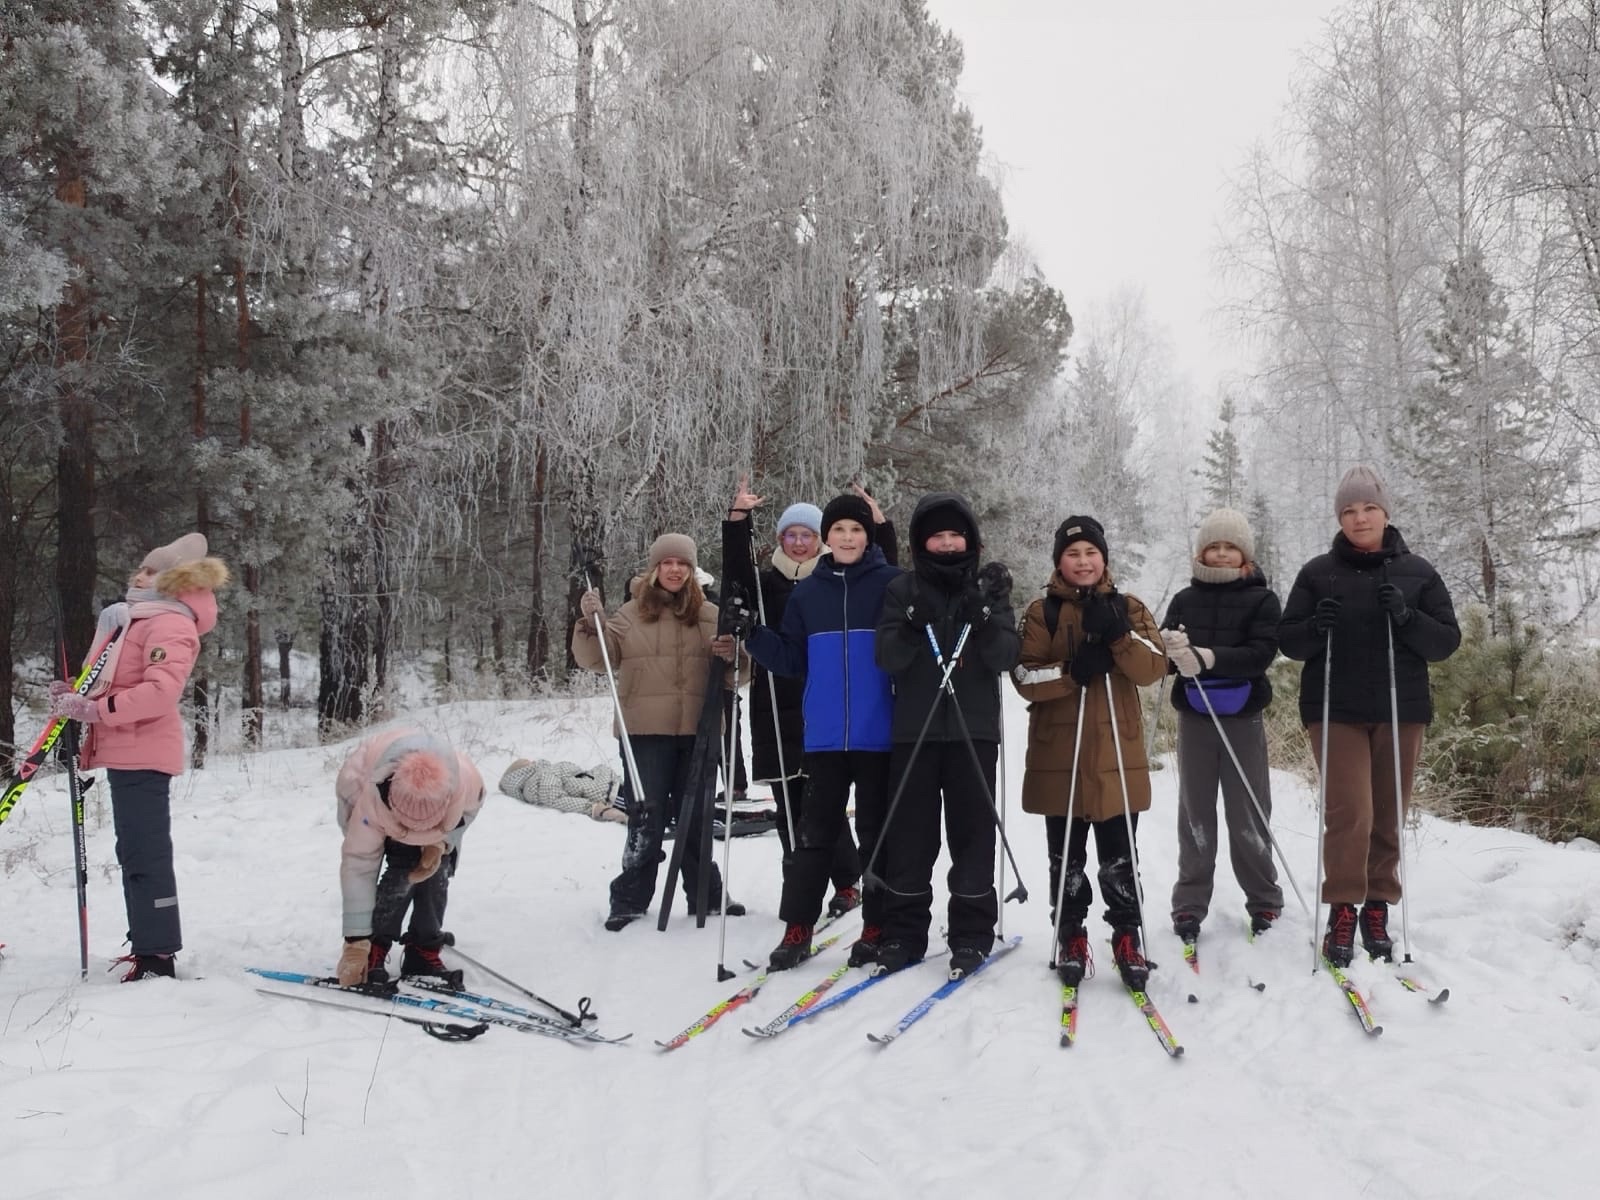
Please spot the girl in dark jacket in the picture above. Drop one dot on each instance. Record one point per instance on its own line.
(1221, 633)
(924, 613)
(777, 747)
(1368, 588)
(827, 637)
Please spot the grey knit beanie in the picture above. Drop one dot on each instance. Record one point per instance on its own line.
(1359, 485)
(1226, 525)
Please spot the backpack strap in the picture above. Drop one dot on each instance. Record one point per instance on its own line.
(1052, 614)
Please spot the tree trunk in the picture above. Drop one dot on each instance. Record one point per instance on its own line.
(285, 641)
(76, 561)
(202, 516)
(254, 704)
(538, 626)
(344, 644)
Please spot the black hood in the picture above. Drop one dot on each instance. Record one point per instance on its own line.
(931, 507)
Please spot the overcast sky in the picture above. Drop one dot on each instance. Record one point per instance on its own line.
(1111, 126)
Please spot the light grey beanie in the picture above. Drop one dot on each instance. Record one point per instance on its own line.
(1226, 525)
(1361, 484)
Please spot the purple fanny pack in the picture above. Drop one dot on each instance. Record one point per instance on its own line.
(1227, 696)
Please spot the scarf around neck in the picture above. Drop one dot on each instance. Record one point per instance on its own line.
(141, 603)
(790, 569)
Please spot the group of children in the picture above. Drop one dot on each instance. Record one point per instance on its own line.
(885, 681)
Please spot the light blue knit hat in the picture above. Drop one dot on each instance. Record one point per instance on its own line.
(807, 515)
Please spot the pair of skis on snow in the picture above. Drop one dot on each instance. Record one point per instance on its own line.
(428, 1002)
(816, 1000)
(1358, 1001)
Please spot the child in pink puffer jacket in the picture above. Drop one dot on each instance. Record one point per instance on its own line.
(135, 730)
(405, 800)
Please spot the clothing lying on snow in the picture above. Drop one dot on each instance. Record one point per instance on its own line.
(565, 787)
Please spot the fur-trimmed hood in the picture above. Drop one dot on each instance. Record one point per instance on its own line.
(201, 575)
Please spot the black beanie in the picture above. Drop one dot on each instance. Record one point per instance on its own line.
(944, 516)
(849, 508)
(1080, 529)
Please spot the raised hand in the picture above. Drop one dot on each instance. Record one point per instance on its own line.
(743, 500)
(877, 513)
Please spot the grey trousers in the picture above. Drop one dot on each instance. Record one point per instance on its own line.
(1203, 767)
(141, 816)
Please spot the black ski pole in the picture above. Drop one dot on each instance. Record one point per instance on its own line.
(1020, 892)
(80, 848)
(583, 1014)
(867, 877)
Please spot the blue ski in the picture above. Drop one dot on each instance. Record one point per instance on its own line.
(927, 1002)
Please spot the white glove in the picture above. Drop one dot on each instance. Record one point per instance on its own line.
(1191, 660)
(589, 604)
(1174, 639)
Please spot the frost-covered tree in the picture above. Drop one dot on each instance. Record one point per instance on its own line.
(1222, 468)
(1484, 441)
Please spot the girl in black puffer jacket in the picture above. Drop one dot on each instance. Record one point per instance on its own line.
(1221, 633)
(1367, 587)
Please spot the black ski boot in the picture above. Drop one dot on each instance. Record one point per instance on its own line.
(793, 950)
(896, 956)
(1339, 943)
(864, 950)
(1374, 924)
(1073, 960)
(425, 962)
(376, 957)
(1131, 965)
(845, 899)
(1186, 925)
(964, 960)
(621, 919)
(148, 966)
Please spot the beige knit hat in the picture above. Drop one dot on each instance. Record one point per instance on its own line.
(1226, 525)
(672, 545)
(1361, 484)
(191, 547)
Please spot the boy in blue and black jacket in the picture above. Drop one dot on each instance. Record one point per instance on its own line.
(828, 636)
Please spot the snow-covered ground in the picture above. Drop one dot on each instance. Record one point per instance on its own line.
(205, 1088)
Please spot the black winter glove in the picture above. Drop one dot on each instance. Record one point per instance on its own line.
(1105, 616)
(737, 617)
(1394, 603)
(994, 585)
(1092, 660)
(1326, 615)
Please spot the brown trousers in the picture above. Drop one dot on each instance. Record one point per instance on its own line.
(1361, 829)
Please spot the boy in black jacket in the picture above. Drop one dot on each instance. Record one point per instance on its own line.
(943, 607)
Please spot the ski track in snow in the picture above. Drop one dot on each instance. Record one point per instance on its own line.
(191, 1089)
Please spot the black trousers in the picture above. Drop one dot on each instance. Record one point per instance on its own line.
(845, 867)
(1118, 887)
(663, 761)
(141, 815)
(427, 900)
(942, 772)
(822, 830)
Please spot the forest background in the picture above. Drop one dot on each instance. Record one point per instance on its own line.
(409, 305)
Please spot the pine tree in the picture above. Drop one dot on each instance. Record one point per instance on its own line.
(1222, 469)
(1482, 441)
